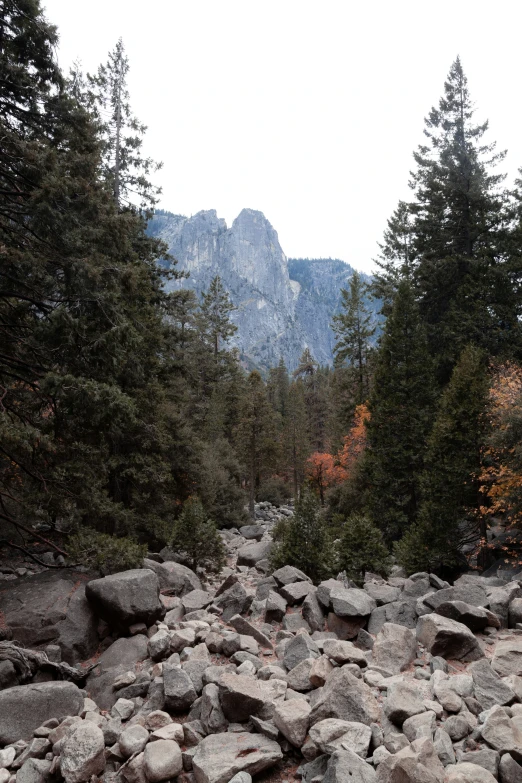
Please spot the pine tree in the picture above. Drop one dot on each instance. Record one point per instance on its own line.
(125, 167)
(303, 541)
(354, 330)
(196, 536)
(401, 408)
(461, 234)
(396, 258)
(278, 385)
(296, 443)
(315, 382)
(256, 435)
(451, 481)
(361, 548)
(216, 308)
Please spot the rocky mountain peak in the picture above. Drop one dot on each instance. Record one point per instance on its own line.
(282, 306)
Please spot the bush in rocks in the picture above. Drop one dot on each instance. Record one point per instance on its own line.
(303, 541)
(361, 548)
(105, 553)
(196, 536)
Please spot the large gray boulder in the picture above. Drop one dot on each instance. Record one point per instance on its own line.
(351, 602)
(120, 657)
(466, 772)
(333, 734)
(127, 597)
(250, 554)
(476, 618)
(292, 718)
(299, 649)
(174, 576)
(402, 701)
(345, 766)
(241, 696)
(25, 707)
(473, 593)
(51, 607)
(234, 600)
(448, 638)
(395, 648)
(489, 689)
(179, 689)
(397, 612)
(219, 757)
(83, 753)
(508, 658)
(346, 697)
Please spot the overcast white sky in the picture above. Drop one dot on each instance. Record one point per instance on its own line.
(307, 111)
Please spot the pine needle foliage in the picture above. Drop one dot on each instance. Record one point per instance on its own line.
(196, 536)
(303, 540)
(361, 548)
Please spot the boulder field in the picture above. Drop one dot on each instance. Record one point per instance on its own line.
(404, 680)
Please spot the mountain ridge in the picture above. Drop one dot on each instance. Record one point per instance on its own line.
(283, 305)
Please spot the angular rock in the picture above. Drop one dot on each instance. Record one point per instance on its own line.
(344, 628)
(395, 648)
(296, 592)
(402, 702)
(180, 693)
(254, 532)
(219, 757)
(126, 598)
(421, 725)
(476, 618)
(162, 761)
(473, 594)
(510, 771)
(233, 601)
(241, 696)
(246, 628)
(468, 773)
(382, 593)
(117, 659)
(292, 718)
(299, 649)
(250, 554)
(447, 638)
(299, 677)
(345, 766)
(51, 607)
(312, 612)
(196, 599)
(332, 734)
(488, 687)
(174, 576)
(485, 757)
(26, 707)
(320, 671)
(351, 602)
(344, 652)
(501, 733)
(398, 612)
(212, 717)
(82, 753)
(346, 697)
(508, 658)
(275, 608)
(289, 575)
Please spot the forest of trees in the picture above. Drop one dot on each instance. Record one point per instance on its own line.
(127, 421)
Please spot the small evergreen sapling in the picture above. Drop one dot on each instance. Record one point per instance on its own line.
(361, 548)
(196, 536)
(303, 540)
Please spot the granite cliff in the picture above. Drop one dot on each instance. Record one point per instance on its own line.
(283, 305)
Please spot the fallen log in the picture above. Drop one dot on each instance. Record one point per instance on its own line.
(28, 662)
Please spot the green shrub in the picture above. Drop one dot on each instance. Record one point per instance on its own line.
(361, 548)
(105, 553)
(303, 541)
(196, 537)
(274, 491)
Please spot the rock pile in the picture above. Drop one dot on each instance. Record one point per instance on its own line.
(409, 680)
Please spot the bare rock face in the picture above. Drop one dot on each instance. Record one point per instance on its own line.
(25, 707)
(447, 638)
(51, 607)
(278, 313)
(219, 757)
(127, 598)
(395, 648)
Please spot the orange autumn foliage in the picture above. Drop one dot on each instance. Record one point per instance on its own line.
(501, 481)
(325, 470)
